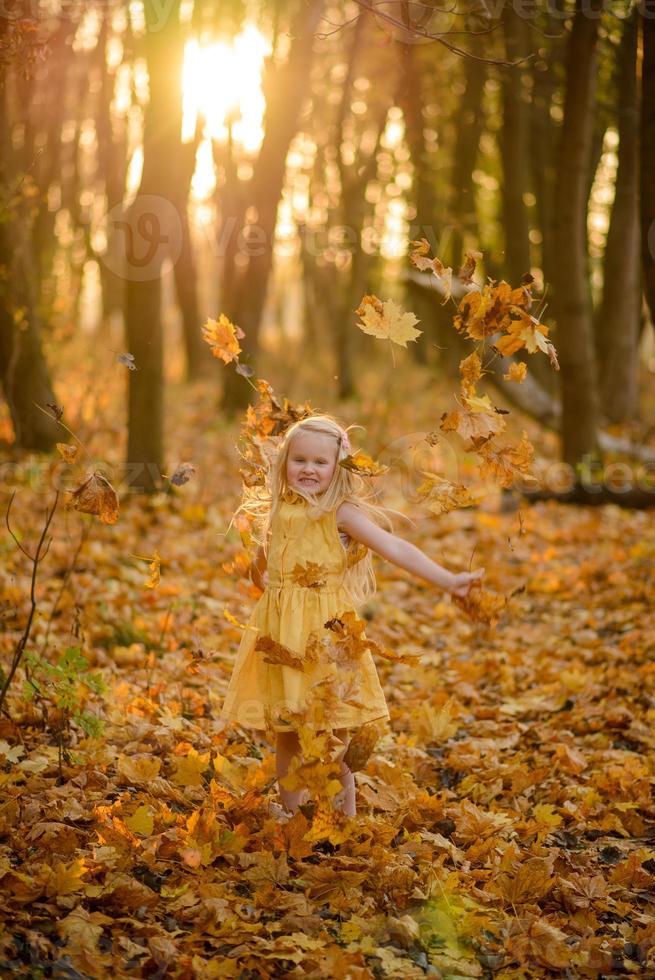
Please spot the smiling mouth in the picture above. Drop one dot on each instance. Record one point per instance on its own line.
(308, 480)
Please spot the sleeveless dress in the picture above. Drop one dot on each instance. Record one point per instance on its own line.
(306, 567)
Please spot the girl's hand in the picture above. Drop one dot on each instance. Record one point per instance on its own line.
(461, 582)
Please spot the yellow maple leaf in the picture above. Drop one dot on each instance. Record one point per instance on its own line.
(139, 771)
(68, 451)
(387, 321)
(470, 370)
(478, 425)
(479, 605)
(329, 824)
(546, 815)
(517, 372)
(363, 464)
(442, 496)
(525, 332)
(223, 338)
(65, 879)
(141, 821)
(507, 462)
(189, 768)
(418, 257)
(436, 724)
(478, 403)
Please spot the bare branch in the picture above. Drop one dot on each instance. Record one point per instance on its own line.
(38, 557)
(26, 553)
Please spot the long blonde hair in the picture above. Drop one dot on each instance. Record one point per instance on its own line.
(262, 502)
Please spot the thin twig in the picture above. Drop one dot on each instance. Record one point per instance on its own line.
(64, 426)
(38, 557)
(64, 583)
(439, 38)
(26, 553)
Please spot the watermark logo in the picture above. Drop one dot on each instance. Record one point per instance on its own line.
(142, 236)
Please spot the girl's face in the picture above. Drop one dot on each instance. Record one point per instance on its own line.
(311, 461)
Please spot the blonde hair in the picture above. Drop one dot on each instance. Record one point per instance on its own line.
(261, 503)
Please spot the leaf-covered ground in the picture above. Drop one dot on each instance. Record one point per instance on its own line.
(506, 824)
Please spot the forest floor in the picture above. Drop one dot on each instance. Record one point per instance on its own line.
(505, 826)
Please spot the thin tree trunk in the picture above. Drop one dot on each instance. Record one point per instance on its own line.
(617, 327)
(468, 125)
(152, 230)
(411, 101)
(112, 168)
(572, 302)
(648, 159)
(544, 134)
(23, 369)
(284, 101)
(515, 151)
(198, 357)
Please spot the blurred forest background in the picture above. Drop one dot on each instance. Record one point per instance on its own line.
(166, 161)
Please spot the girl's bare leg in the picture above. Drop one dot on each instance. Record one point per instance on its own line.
(345, 799)
(288, 745)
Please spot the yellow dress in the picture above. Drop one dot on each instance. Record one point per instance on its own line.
(262, 695)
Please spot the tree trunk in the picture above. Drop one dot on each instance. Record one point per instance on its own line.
(544, 133)
(152, 230)
(648, 159)
(284, 99)
(468, 125)
(617, 327)
(515, 151)
(23, 369)
(572, 302)
(198, 357)
(112, 168)
(411, 101)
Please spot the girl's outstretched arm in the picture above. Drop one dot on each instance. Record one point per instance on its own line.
(402, 553)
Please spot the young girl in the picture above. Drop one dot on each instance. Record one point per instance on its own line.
(316, 566)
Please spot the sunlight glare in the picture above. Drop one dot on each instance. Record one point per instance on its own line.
(222, 80)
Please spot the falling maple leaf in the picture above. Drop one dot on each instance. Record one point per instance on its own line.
(277, 653)
(470, 369)
(68, 452)
(442, 496)
(477, 423)
(361, 746)
(479, 605)
(127, 359)
(387, 321)
(418, 257)
(467, 269)
(507, 463)
(363, 464)
(183, 473)
(517, 372)
(95, 496)
(223, 338)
